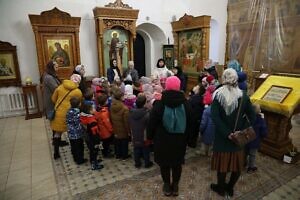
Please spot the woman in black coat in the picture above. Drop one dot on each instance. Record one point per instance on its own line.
(170, 147)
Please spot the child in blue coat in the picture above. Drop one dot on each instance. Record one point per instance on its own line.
(251, 148)
(75, 131)
(207, 130)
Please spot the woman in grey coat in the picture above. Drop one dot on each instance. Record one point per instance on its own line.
(50, 82)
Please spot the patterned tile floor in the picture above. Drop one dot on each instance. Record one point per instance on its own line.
(27, 171)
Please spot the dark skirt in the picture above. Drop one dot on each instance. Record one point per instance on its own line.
(227, 161)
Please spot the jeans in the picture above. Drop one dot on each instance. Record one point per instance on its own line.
(251, 153)
(121, 148)
(166, 173)
(141, 152)
(77, 150)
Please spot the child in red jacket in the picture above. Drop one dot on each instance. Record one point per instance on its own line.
(104, 124)
(89, 122)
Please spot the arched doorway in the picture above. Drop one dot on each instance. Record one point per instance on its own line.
(154, 38)
(139, 55)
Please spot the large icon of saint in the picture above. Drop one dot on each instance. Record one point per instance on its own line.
(116, 47)
(61, 56)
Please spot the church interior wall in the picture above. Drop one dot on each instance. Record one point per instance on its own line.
(16, 28)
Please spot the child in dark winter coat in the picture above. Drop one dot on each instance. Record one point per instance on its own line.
(89, 98)
(75, 131)
(260, 128)
(207, 130)
(104, 124)
(89, 121)
(138, 120)
(119, 118)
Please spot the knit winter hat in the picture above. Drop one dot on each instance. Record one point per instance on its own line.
(128, 90)
(209, 79)
(230, 77)
(78, 68)
(145, 80)
(173, 83)
(158, 88)
(76, 78)
(234, 64)
(96, 81)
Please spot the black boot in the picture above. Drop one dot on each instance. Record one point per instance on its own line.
(167, 189)
(175, 189)
(56, 142)
(63, 143)
(233, 179)
(220, 187)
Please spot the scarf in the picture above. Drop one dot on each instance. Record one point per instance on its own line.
(228, 96)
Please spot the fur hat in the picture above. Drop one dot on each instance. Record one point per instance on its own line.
(76, 78)
(173, 83)
(230, 77)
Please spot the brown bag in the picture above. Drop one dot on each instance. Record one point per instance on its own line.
(244, 136)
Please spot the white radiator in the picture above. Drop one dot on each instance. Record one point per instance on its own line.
(12, 102)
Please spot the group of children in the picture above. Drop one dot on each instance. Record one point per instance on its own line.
(112, 115)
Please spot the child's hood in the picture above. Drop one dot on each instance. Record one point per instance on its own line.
(87, 118)
(117, 106)
(138, 113)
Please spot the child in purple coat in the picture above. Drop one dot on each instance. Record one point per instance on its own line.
(260, 128)
(207, 130)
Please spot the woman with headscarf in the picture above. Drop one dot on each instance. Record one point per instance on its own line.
(61, 98)
(161, 72)
(227, 156)
(170, 138)
(80, 69)
(113, 72)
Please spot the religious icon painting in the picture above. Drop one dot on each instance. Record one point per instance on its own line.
(115, 43)
(189, 46)
(9, 68)
(168, 55)
(59, 49)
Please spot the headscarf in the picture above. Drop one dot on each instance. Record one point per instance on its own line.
(229, 94)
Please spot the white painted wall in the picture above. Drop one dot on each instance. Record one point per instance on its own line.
(16, 28)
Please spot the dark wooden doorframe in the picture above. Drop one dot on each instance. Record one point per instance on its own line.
(139, 55)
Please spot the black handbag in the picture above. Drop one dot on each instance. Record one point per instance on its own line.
(51, 113)
(244, 136)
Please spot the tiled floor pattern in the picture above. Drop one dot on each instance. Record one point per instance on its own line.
(28, 172)
(290, 190)
(82, 178)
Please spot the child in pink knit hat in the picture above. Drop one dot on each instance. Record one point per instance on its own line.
(173, 83)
